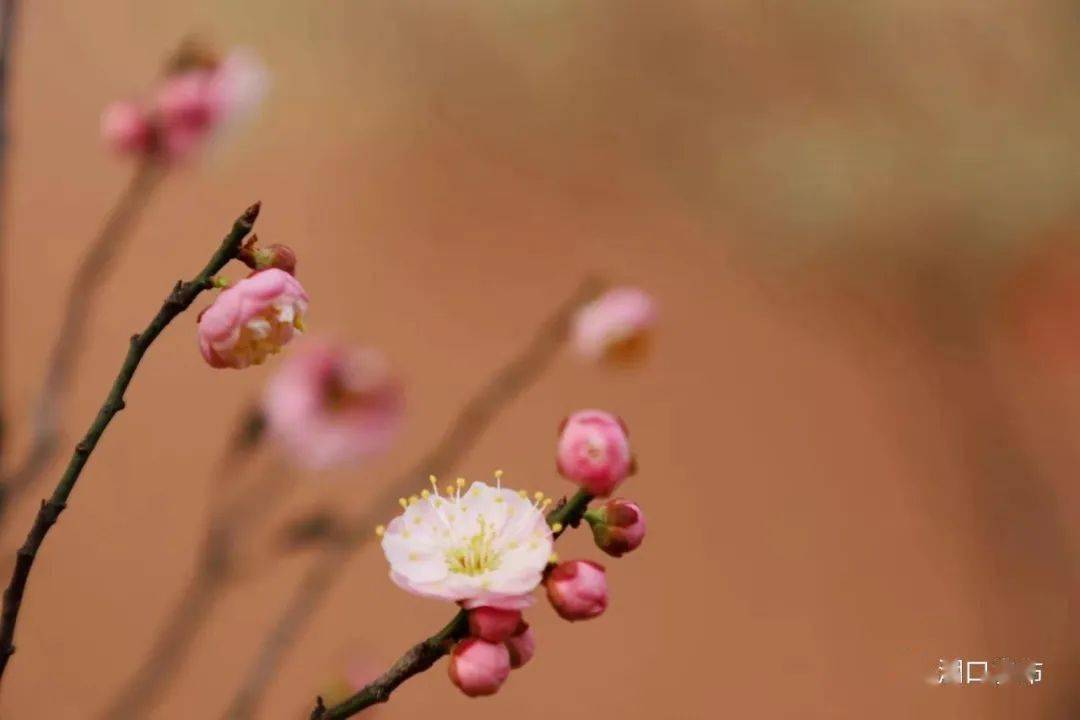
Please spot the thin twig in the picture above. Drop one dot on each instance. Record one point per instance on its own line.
(466, 428)
(423, 655)
(91, 274)
(8, 18)
(181, 297)
(215, 569)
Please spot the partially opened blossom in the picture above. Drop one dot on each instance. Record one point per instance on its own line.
(479, 667)
(331, 404)
(577, 589)
(594, 451)
(487, 546)
(522, 645)
(615, 326)
(252, 320)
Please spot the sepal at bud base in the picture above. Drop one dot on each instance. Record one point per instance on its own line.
(618, 526)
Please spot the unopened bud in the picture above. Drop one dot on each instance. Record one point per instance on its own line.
(521, 645)
(618, 526)
(577, 589)
(493, 624)
(479, 667)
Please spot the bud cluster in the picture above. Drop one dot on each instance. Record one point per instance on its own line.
(593, 451)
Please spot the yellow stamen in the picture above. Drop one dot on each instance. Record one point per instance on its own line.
(380, 530)
(557, 527)
(403, 502)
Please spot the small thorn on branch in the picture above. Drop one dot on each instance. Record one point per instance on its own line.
(319, 711)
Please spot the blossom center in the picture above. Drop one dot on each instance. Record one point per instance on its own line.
(477, 556)
(265, 334)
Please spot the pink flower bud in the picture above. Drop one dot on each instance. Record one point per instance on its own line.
(252, 320)
(615, 326)
(594, 451)
(278, 256)
(521, 645)
(493, 624)
(125, 128)
(479, 667)
(331, 405)
(577, 589)
(618, 526)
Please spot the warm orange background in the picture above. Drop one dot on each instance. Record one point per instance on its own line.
(828, 202)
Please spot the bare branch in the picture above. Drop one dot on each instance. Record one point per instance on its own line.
(8, 19)
(181, 297)
(91, 274)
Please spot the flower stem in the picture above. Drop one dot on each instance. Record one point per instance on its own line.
(181, 297)
(424, 654)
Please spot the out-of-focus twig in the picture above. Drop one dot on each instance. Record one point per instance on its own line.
(466, 428)
(424, 654)
(228, 520)
(92, 273)
(181, 297)
(8, 19)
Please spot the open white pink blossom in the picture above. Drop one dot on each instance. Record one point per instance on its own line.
(487, 546)
(615, 327)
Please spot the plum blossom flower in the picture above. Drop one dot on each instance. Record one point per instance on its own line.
(487, 546)
(479, 667)
(198, 103)
(577, 589)
(615, 326)
(198, 100)
(594, 451)
(330, 404)
(252, 320)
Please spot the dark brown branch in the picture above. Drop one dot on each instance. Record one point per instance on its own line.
(181, 297)
(423, 655)
(215, 568)
(8, 19)
(466, 428)
(91, 274)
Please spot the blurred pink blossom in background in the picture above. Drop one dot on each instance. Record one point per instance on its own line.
(331, 404)
(615, 326)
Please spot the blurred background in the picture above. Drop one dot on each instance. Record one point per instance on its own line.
(856, 429)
